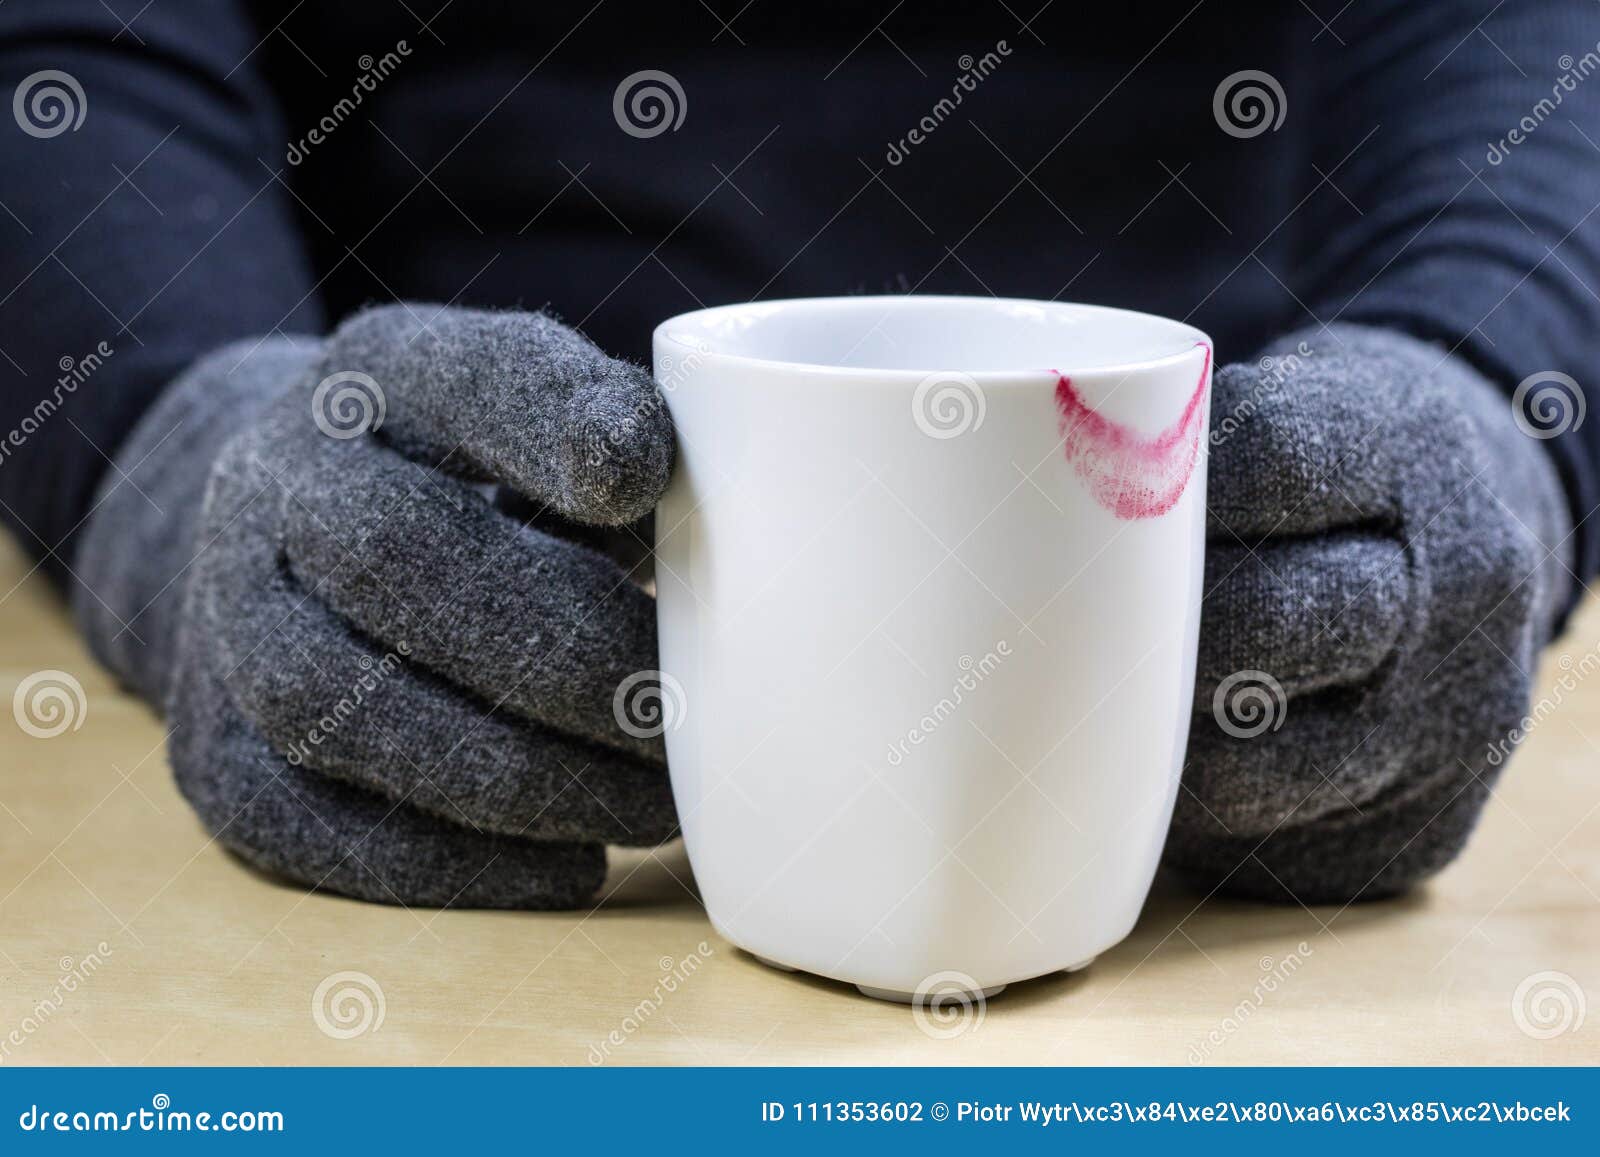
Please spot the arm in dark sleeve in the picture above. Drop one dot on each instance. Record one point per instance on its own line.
(134, 240)
(1466, 137)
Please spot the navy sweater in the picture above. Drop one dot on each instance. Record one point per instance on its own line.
(245, 167)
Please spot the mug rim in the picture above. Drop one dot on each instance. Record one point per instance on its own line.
(676, 332)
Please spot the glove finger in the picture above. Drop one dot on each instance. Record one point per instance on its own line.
(338, 703)
(1315, 437)
(133, 551)
(1376, 851)
(515, 398)
(530, 623)
(1338, 793)
(1306, 613)
(1285, 762)
(326, 834)
(632, 547)
(1300, 761)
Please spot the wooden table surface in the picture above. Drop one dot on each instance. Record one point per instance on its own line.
(127, 936)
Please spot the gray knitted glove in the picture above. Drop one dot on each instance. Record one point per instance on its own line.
(378, 683)
(1387, 554)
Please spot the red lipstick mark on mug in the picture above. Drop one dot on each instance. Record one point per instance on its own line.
(1131, 474)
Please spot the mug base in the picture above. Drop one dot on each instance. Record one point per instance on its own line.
(894, 996)
(908, 996)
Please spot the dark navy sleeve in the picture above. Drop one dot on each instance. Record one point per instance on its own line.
(1460, 146)
(141, 224)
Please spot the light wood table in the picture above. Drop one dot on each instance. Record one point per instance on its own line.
(187, 957)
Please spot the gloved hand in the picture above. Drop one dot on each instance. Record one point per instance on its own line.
(1387, 552)
(377, 682)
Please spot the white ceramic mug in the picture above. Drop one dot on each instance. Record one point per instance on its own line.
(929, 578)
